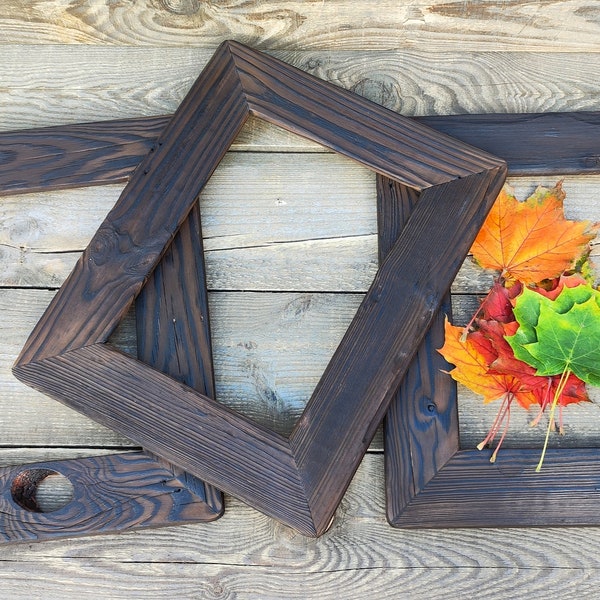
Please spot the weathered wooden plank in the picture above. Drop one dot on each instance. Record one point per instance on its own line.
(345, 264)
(245, 554)
(301, 196)
(55, 578)
(27, 416)
(253, 374)
(308, 197)
(108, 151)
(321, 234)
(20, 455)
(55, 85)
(270, 350)
(339, 24)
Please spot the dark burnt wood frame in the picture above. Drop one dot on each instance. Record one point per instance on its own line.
(133, 490)
(107, 152)
(424, 413)
(300, 479)
(432, 482)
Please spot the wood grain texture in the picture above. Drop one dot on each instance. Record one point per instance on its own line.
(108, 152)
(339, 24)
(467, 180)
(247, 555)
(406, 312)
(269, 351)
(470, 492)
(159, 178)
(425, 404)
(335, 118)
(73, 152)
(322, 233)
(235, 582)
(110, 494)
(171, 312)
(57, 85)
(137, 490)
(197, 434)
(430, 482)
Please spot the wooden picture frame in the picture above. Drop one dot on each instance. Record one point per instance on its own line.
(299, 479)
(108, 151)
(430, 480)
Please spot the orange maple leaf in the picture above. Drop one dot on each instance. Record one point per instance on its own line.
(531, 241)
(471, 360)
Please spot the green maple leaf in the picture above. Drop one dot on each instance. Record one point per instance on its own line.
(527, 314)
(561, 335)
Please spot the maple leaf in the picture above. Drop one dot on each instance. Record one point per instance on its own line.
(553, 287)
(471, 359)
(543, 388)
(504, 361)
(470, 365)
(497, 305)
(531, 241)
(561, 335)
(536, 335)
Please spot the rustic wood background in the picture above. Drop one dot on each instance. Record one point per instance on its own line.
(289, 253)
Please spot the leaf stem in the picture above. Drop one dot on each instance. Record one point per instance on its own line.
(543, 404)
(489, 438)
(559, 390)
(506, 424)
(502, 417)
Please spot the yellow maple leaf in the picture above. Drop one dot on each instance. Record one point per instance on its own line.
(531, 241)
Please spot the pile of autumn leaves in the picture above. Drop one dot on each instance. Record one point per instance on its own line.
(535, 339)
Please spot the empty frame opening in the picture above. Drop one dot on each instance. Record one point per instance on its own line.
(290, 247)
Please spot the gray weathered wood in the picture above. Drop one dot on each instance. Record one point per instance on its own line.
(246, 555)
(267, 25)
(61, 63)
(54, 85)
(321, 234)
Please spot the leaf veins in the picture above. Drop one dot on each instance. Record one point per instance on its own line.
(531, 241)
